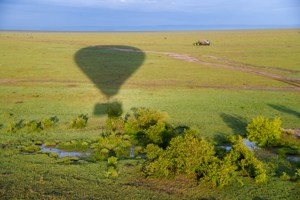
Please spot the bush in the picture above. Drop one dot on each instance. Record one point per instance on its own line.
(15, 126)
(113, 144)
(112, 162)
(297, 174)
(115, 124)
(74, 145)
(30, 149)
(148, 126)
(264, 132)
(244, 159)
(49, 122)
(79, 122)
(191, 156)
(112, 166)
(34, 126)
(289, 143)
(219, 173)
(111, 172)
(285, 177)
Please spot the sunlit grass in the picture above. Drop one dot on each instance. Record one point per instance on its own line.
(40, 78)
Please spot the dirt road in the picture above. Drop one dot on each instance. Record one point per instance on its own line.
(184, 57)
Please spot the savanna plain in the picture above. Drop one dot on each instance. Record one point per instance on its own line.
(49, 81)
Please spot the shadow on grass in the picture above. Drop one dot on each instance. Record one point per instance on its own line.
(236, 123)
(112, 109)
(108, 67)
(285, 109)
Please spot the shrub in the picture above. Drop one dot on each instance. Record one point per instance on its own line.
(15, 126)
(112, 166)
(297, 174)
(112, 162)
(219, 173)
(264, 132)
(111, 172)
(192, 156)
(285, 177)
(50, 143)
(113, 144)
(35, 126)
(144, 117)
(290, 143)
(148, 126)
(188, 155)
(115, 124)
(244, 159)
(138, 150)
(49, 122)
(30, 149)
(195, 157)
(74, 145)
(79, 122)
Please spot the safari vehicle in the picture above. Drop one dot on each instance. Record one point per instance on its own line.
(202, 42)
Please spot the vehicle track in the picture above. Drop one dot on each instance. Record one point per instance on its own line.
(184, 57)
(295, 82)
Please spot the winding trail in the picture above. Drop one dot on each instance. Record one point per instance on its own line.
(184, 57)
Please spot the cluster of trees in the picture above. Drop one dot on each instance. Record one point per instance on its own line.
(171, 151)
(192, 155)
(268, 133)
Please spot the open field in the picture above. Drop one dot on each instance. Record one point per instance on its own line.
(216, 89)
(39, 74)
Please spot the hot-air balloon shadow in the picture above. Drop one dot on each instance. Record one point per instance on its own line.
(108, 67)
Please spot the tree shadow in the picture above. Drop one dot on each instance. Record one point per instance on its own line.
(285, 109)
(108, 67)
(236, 123)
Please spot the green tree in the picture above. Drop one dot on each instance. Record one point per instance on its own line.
(264, 132)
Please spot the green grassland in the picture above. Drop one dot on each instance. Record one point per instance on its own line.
(46, 80)
(46, 74)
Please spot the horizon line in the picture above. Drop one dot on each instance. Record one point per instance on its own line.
(154, 28)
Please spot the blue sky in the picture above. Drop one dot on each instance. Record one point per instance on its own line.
(140, 14)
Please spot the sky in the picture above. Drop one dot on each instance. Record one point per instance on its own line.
(107, 15)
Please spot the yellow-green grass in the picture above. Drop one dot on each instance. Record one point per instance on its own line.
(41, 177)
(41, 77)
